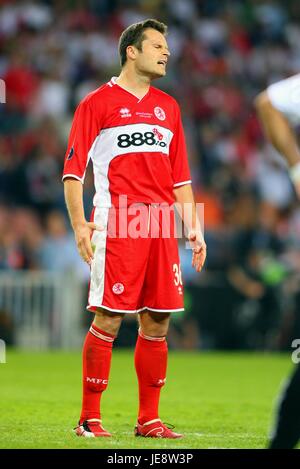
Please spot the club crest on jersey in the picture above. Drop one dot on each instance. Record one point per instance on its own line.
(118, 288)
(125, 112)
(160, 113)
(71, 153)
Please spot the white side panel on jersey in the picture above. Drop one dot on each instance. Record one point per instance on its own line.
(98, 264)
(122, 140)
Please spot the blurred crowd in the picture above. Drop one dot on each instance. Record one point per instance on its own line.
(52, 53)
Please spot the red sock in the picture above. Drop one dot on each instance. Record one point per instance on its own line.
(151, 354)
(96, 358)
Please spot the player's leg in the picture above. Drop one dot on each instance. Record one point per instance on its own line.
(286, 432)
(151, 356)
(117, 274)
(162, 295)
(96, 359)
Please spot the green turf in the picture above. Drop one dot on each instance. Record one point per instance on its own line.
(218, 400)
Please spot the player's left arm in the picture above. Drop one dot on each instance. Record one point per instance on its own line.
(187, 208)
(281, 134)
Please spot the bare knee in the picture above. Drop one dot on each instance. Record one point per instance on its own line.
(154, 324)
(107, 321)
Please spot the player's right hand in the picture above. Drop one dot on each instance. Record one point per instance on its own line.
(83, 233)
(297, 189)
(198, 246)
(294, 172)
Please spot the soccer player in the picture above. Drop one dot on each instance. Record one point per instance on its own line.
(278, 108)
(133, 134)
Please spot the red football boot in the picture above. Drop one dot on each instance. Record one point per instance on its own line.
(90, 429)
(155, 429)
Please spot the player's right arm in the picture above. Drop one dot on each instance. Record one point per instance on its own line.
(82, 229)
(84, 131)
(277, 112)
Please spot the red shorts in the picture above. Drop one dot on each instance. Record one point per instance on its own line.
(136, 262)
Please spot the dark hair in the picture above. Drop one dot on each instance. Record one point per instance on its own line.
(134, 36)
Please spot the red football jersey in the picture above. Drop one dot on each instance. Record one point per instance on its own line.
(137, 146)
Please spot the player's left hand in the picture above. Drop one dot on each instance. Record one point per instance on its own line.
(198, 246)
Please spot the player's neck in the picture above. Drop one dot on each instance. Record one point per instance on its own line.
(136, 84)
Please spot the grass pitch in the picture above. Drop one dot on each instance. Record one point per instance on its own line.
(218, 400)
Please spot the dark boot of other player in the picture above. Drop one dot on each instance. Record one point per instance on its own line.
(286, 432)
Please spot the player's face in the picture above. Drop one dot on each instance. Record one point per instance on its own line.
(152, 60)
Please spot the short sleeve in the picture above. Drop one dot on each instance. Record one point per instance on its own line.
(285, 97)
(83, 134)
(178, 154)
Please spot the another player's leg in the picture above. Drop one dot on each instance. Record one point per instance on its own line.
(286, 432)
(151, 354)
(96, 359)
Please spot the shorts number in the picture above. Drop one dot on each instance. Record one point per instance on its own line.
(177, 274)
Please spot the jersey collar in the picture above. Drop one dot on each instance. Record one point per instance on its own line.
(113, 82)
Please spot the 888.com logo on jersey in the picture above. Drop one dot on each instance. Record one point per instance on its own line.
(137, 139)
